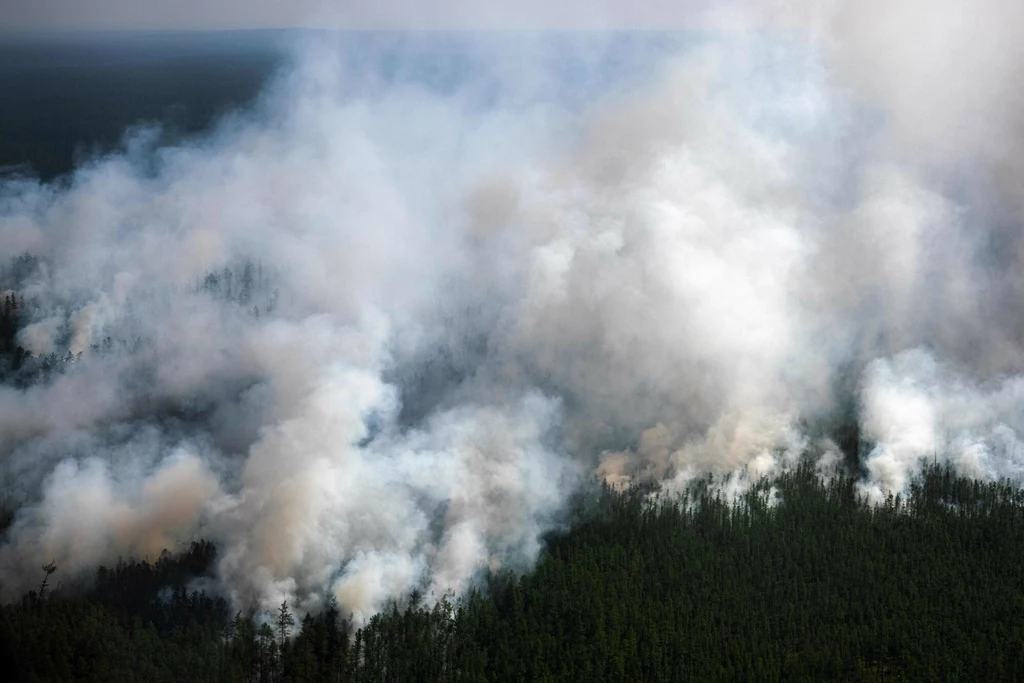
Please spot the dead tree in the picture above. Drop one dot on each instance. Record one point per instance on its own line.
(48, 569)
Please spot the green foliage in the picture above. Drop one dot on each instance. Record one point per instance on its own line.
(818, 587)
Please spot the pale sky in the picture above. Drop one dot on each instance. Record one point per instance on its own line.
(341, 14)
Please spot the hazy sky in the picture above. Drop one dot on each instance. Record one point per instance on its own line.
(426, 14)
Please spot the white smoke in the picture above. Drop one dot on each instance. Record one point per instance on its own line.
(914, 409)
(473, 293)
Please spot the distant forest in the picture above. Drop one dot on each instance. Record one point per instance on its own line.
(114, 81)
(798, 580)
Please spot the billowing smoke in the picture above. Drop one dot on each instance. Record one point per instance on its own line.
(370, 336)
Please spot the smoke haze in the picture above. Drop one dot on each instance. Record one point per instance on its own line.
(371, 335)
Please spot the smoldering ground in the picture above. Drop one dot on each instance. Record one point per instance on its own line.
(370, 336)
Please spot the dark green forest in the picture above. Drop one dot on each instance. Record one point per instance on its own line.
(798, 580)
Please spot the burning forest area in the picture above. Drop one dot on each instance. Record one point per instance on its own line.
(399, 343)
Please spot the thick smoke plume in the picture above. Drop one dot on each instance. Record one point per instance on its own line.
(370, 336)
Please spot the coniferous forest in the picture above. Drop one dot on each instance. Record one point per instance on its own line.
(797, 580)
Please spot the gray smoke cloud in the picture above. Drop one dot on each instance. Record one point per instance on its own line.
(468, 296)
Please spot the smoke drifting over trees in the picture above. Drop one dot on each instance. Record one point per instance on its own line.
(371, 335)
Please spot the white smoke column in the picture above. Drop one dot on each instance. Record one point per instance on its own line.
(917, 410)
(38, 337)
(87, 324)
(91, 511)
(670, 289)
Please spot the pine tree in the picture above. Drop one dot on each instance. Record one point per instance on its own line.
(285, 621)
